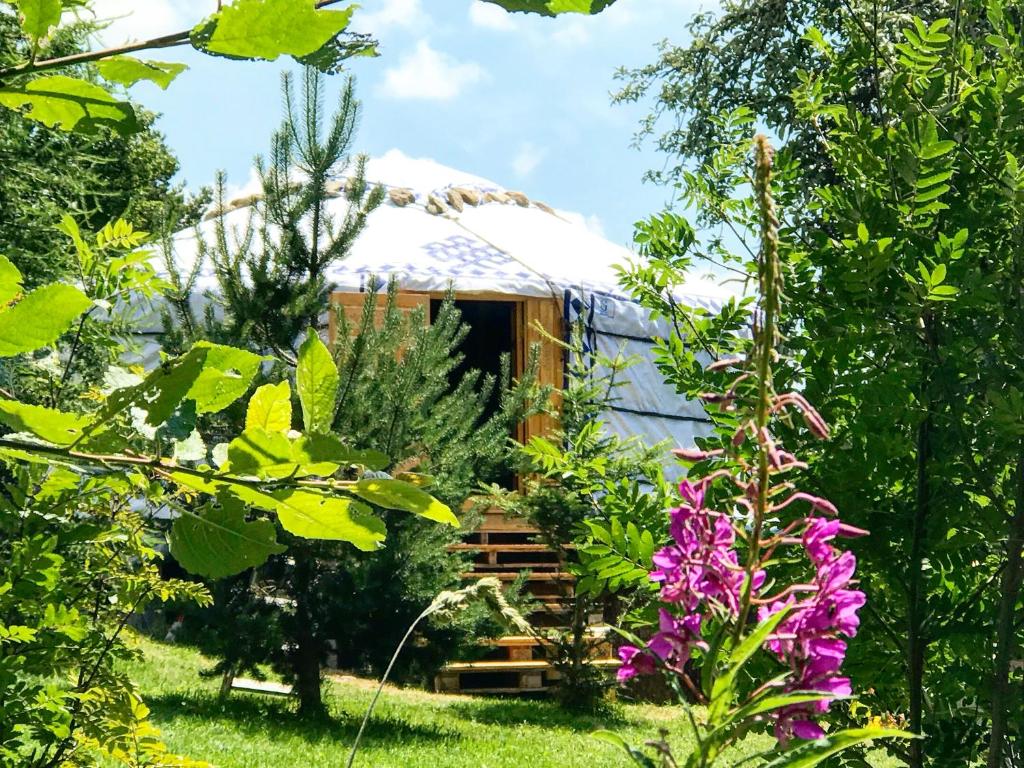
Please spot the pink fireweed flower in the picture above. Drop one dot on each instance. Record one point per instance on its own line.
(676, 638)
(634, 662)
(809, 640)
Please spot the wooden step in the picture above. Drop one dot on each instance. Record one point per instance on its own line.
(496, 666)
(493, 677)
(530, 575)
(467, 547)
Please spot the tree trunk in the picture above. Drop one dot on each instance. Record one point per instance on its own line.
(1013, 576)
(308, 651)
(916, 641)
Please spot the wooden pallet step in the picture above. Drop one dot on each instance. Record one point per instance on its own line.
(515, 567)
(466, 547)
(530, 576)
(501, 665)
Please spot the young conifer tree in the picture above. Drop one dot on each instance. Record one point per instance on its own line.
(398, 394)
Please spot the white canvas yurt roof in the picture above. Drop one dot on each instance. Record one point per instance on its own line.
(440, 226)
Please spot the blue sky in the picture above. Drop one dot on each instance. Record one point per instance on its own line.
(518, 99)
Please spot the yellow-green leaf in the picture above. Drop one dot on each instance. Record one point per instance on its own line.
(314, 516)
(47, 424)
(259, 452)
(38, 17)
(395, 494)
(266, 29)
(128, 71)
(10, 280)
(70, 104)
(316, 378)
(270, 408)
(553, 7)
(40, 318)
(226, 376)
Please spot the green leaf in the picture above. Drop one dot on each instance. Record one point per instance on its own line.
(266, 29)
(309, 451)
(270, 408)
(937, 149)
(47, 424)
(811, 753)
(128, 71)
(220, 542)
(38, 17)
(314, 516)
(553, 7)
(259, 452)
(40, 318)
(226, 376)
(161, 391)
(316, 378)
(10, 280)
(70, 104)
(395, 494)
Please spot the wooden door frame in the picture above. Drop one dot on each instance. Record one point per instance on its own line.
(528, 311)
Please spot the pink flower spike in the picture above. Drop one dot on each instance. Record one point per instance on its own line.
(852, 532)
(728, 362)
(634, 662)
(696, 454)
(806, 729)
(823, 505)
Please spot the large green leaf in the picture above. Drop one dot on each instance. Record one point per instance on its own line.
(38, 17)
(314, 516)
(128, 71)
(809, 754)
(226, 375)
(313, 451)
(553, 7)
(220, 542)
(259, 452)
(40, 318)
(10, 280)
(161, 391)
(316, 378)
(396, 494)
(266, 29)
(270, 408)
(70, 104)
(47, 424)
(305, 513)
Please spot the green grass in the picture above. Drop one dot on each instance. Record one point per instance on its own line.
(409, 729)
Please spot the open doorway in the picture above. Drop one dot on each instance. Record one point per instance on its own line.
(492, 333)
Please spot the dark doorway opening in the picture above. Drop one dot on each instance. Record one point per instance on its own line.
(491, 334)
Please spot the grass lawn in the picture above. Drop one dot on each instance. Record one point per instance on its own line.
(410, 728)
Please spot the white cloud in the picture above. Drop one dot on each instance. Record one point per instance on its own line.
(129, 21)
(488, 16)
(430, 75)
(390, 13)
(527, 159)
(573, 34)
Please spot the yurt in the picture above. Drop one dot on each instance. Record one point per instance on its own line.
(513, 262)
